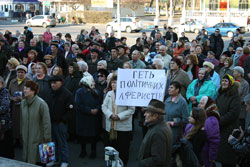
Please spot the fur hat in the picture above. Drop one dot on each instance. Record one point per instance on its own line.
(13, 61)
(32, 85)
(21, 67)
(48, 57)
(209, 64)
(87, 81)
(156, 106)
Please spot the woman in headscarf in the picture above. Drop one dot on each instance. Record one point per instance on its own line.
(88, 105)
(228, 102)
(202, 86)
(212, 128)
(237, 55)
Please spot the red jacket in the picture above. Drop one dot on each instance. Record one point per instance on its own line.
(242, 59)
(194, 72)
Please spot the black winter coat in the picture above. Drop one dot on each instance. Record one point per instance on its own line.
(44, 87)
(217, 45)
(228, 102)
(168, 36)
(61, 104)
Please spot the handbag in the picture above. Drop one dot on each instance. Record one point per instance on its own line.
(47, 152)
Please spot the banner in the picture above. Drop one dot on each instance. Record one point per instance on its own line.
(136, 87)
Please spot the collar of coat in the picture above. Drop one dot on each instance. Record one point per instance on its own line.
(176, 99)
(153, 123)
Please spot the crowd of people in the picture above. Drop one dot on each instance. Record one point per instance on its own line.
(54, 88)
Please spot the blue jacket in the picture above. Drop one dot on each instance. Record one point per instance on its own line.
(207, 89)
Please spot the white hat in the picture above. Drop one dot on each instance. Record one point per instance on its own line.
(209, 64)
(88, 81)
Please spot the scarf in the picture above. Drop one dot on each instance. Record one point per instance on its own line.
(19, 81)
(113, 132)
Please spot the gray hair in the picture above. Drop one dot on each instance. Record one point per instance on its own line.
(83, 66)
(247, 99)
(75, 46)
(103, 62)
(159, 62)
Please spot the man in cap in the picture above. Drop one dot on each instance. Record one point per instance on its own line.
(110, 42)
(216, 43)
(170, 35)
(92, 63)
(156, 147)
(61, 103)
(153, 32)
(214, 75)
(122, 53)
(114, 62)
(28, 34)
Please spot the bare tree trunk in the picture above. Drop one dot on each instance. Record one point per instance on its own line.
(166, 8)
(151, 3)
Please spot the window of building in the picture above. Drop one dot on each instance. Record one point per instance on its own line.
(243, 4)
(1, 7)
(19, 7)
(213, 4)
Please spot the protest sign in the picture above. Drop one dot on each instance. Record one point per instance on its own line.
(136, 87)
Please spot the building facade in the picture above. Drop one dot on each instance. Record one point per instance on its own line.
(10, 8)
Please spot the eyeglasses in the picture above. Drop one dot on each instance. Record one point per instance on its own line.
(100, 76)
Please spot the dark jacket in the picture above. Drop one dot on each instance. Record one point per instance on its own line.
(114, 64)
(92, 66)
(61, 103)
(168, 36)
(242, 148)
(12, 75)
(44, 87)
(247, 69)
(156, 147)
(61, 62)
(217, 44)
(87, 124)
(110, 42)
(3, 61)
(71, 82)
(5, 115)
(42, 46)
(228, 102)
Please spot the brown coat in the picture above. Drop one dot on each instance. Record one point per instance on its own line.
(156, 146)
(15, 107)
(182, 77)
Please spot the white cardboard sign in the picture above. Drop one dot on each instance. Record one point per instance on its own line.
(136, 87)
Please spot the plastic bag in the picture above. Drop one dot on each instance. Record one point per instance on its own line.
(47, 152)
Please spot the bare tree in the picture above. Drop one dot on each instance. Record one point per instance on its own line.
(134, 5)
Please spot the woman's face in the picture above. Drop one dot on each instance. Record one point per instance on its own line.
(47, 61)
(191, 119)
(226, 64)
(189, 62)
(39, 70)
(71, 69)
(210, 56)
(126, 66)
(202, 104)
(113, 85)
(224, 83)
(21, 44)
(32, 56)
(239, 51)
(55, 71)
(201, 74)
(222, 58)
(33, 69)
(145, 50)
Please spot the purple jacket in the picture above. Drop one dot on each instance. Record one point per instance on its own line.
(211, 146)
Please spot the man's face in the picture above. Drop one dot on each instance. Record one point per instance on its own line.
(157, 36)
(173, 66)
(93, 55)
(135, 55)
(53, 48)
(149, 117)
(58, 38)
(198, 50)
(68, 39)
(40, 38)
(113, 53)
(162, 51)
(71, 69)
(101, 77)
(32, 42)
(121, 51)
(173, 91)
(21, 74)
(217, 32)
(55, 85)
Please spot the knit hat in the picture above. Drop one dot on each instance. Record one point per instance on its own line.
(13, 61)
(156, 106)
(87, 81)
(56, 78)
(239, 70)
(229, 78)
(32, 85)
(21, 67)
(210, 65)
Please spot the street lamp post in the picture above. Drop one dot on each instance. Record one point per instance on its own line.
(156, 21)
(170, 20)
(118, 19)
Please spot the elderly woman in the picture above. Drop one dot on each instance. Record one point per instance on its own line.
(236, 56)
(238, 73)
(6, 141)
(227, 69)
(212, 128)
(191, 67)
(228, 102)
(16, 93)
(118, 123)
(102, 64)
(202, 86)
(11, 65)
(35, 123)
(42, 79)
(88, 105)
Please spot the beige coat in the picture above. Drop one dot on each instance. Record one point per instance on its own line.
(124, 113)
(35, 127)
